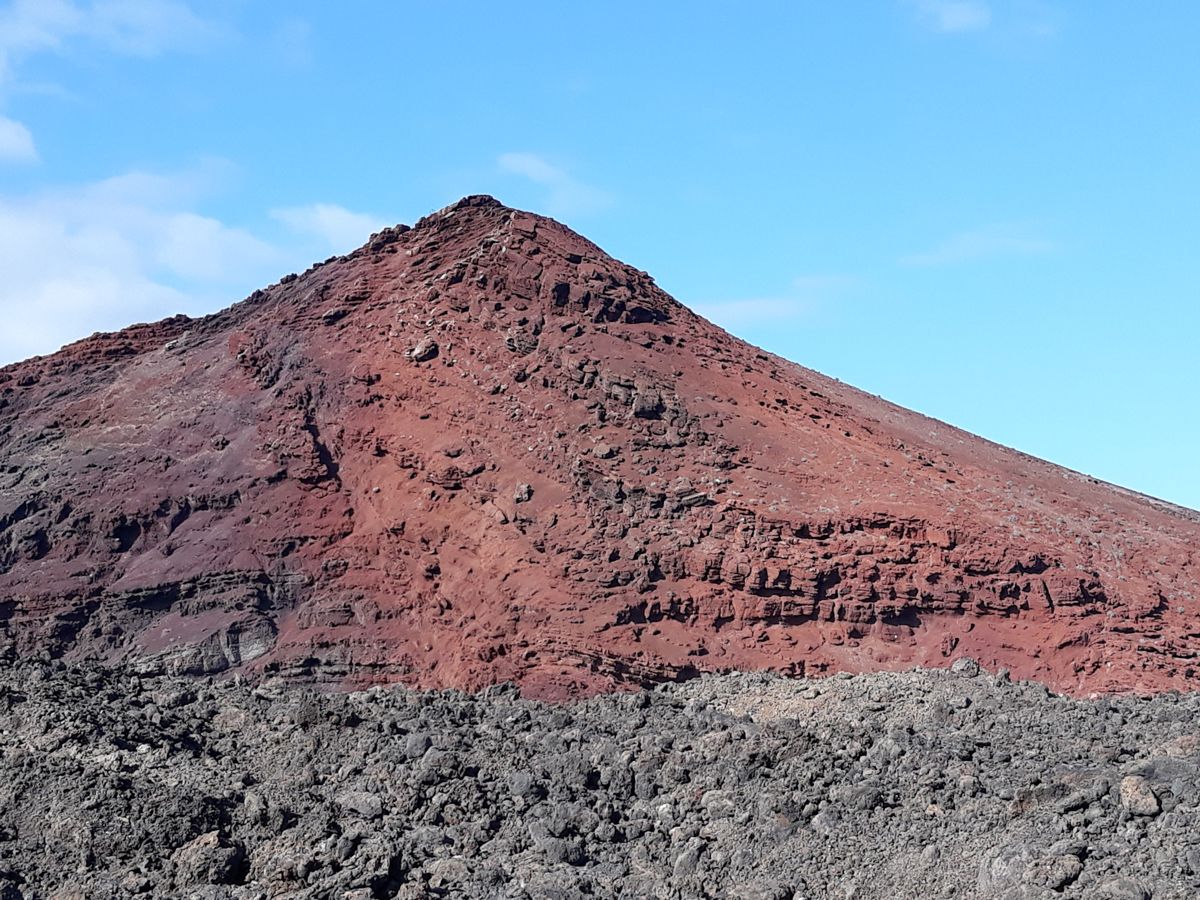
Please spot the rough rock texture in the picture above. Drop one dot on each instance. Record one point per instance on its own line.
(874, 787)
(481, 450)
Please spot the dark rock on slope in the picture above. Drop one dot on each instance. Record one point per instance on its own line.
(481, 450)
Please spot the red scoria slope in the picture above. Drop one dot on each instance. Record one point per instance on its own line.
(482, 450)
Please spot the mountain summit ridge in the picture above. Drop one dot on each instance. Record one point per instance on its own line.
(480, 449)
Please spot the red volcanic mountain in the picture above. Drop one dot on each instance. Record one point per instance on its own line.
(481, 449)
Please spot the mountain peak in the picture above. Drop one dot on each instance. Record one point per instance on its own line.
(481, 449)
(477, 201)
(478, 247)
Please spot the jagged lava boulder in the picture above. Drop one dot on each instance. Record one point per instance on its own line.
(482, 450)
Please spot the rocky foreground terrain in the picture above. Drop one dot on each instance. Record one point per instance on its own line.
(950, 783)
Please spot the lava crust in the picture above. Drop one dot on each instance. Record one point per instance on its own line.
(481, 450)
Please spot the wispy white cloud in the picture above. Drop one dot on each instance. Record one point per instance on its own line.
(16, 143)
(746, 311)
(291, 43)
(824, 286)
(953, 16)
(340, 229)
(1038, 19)
(806, 297)
(104, 255)
(129, 27)
(148, 27)
(565, 195)
(983, 243)
(134, 248)
(137, 246)
(32, 26)
(134, 27)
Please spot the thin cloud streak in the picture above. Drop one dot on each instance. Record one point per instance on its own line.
(749, 311)
(16, 143)
(565, 195)
(953, 16)
(340, 229)
(808, 296)
(291, 43)
(984, 243)
(129, 27)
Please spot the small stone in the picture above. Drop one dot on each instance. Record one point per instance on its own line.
(133, 883)
(363, 803)
(687, 861)
(648, 405)
(523, 784)
(523, 493)
(1053, 872)
(826, 821)
(604, 451)
(768, 890)
(424, 351)
(1138, 797)
(445, 873)
(1118, 887)
(1002, 868)
(718, 804)
(966, 667)
(416, 745)
(208, 860)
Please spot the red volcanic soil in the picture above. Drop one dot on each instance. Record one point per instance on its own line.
(482, 450)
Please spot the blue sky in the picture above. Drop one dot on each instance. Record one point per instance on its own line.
(986, 211)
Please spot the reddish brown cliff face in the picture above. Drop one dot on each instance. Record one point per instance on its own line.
(482, 450)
